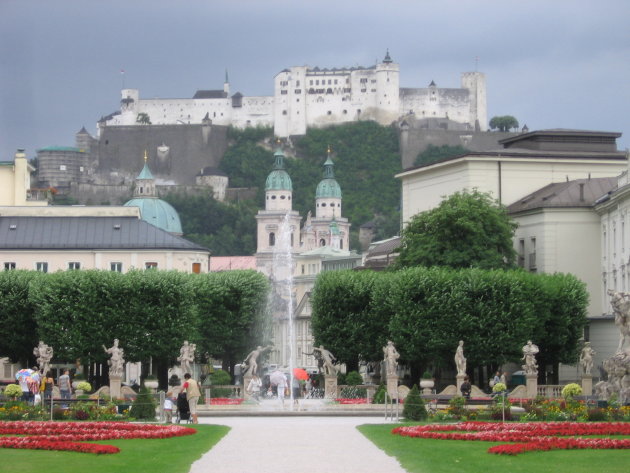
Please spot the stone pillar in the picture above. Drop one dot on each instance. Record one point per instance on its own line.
(392, 386)
(460, 381)
(532, 385)
(330, 387)
(115, 381)
(587, 384)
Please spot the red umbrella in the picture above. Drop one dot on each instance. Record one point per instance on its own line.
(300, 374)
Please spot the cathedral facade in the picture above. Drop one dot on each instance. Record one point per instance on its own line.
(292, 255)
(307, 97)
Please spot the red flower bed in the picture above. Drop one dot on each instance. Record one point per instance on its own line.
(224, 401)
(343, 400)
(68, 435)
(533, 436)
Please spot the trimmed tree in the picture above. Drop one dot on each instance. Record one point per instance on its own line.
(414, 408)
(503, 123)
(467, 229)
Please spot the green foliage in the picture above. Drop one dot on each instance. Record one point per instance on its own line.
(12, 391)
(467, 229)
(434, 153)
(143, 118)
(230, 311)
(366, 160)
(379, 395)
(220, 378)
(571, 390)
(344, 318)
(225, 228)
(426, 311)
(353, 378)
(499, 388)
(503, 123)
(84, 386)
(414, 408)
(81, 311)
(18, 328)
(143, 407)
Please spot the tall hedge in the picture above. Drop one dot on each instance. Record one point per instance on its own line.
(426, 311)
(18, 327)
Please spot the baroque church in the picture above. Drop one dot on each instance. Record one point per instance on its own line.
(320, 244)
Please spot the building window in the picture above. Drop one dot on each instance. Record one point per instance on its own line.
(283, 92)
(272, 239)
(62, 167)
(284, 112)
(116, 267)
(9, 266)
(150, 265)
(196, 268)
(322, 242)
(42, 267)
(74, 265)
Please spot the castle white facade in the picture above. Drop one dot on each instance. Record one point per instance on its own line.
(307, 97)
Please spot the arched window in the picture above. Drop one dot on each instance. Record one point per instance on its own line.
(272, 239)
(322, 242)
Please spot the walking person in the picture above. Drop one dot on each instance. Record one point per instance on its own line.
(48, 383)
(65, 386)
(191, 388)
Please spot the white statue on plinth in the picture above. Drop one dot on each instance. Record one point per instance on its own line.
(586, 358)
(116, 361)
(186, 356)
(43, 354)
(460, 359)
(529, 356)
(391, 358)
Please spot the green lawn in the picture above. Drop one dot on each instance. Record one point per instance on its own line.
(448, 456)
(172, 455)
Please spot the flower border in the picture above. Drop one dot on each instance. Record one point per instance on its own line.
(68, 436)
(532, 436)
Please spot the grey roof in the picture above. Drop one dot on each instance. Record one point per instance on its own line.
(568, 194)
(87, 233)
(210, 94)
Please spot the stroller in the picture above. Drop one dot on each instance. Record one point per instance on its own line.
(183, 411)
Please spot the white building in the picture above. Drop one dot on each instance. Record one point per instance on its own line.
(564, 189)
(306, 97)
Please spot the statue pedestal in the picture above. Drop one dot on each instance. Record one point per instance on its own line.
(115, 381)
(330, 387)
(531, 381)
(392, 386)
(587, 384)
(246, 379)
(460, 381)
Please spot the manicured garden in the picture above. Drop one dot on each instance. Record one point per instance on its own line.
(141, 447)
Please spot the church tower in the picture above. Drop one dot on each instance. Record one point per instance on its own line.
(328, 227)
(278, 203)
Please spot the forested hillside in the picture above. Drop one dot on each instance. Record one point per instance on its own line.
(366, 159)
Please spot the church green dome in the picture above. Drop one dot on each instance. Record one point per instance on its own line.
(158, 213)
(278, 179)
(328, 187)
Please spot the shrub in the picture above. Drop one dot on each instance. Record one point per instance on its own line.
(13, 391)
(353, 378)
(597, 414)
(414, 408)
(220, 378)
(499, 388)
(143, 407)
(84, 386)
(353, 392)
(571, 390)
(457, 407)
(379, 396)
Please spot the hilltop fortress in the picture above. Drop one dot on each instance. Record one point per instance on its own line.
(307, 97)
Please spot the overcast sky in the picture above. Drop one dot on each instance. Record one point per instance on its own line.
(551, 64)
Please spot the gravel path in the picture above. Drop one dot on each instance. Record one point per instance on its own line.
(295, 445)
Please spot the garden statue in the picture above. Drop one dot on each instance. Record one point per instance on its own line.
(325, 360)
(460, 360)
(391, 358)
(586, 358)
(186, 356)
(250, 365)
(620, 302)
(529, 356)
(116, 361)
(43, 353)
